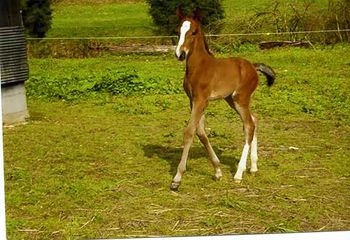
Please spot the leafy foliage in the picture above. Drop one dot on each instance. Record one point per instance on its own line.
(164, 13)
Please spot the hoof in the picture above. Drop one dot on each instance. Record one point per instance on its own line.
(218, 174)
(238, 181)
(217, 177)
(174, 186)
(254, 173)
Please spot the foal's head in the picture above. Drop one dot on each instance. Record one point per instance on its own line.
(189, 30)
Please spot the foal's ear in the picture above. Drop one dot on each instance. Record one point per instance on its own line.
(197, 15)
(179, 13)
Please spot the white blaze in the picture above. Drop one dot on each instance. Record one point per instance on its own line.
(186, 25)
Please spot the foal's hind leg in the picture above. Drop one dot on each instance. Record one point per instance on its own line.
(254, 149)
(241, 105)
(205, 141)
(249, 129)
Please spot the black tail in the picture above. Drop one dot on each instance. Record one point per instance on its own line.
(267, 71)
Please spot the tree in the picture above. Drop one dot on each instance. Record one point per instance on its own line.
(164, 16)
(36, 17)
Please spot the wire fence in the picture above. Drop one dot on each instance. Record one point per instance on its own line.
(208, 35)
(93, 46)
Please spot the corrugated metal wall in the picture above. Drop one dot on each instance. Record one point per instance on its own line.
(13, 57)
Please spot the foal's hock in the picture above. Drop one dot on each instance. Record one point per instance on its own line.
(209, 78)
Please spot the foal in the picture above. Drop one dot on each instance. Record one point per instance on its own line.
(208, 78)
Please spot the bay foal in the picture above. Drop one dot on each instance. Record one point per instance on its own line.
(209, 78)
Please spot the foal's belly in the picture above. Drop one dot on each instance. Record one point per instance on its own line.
(223, 86)
(220, 94)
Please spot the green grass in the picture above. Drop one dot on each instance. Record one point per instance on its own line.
(101, 20)
(131, 18)
(323, 102)
(100, 166)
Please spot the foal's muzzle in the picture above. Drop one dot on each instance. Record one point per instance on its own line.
(182, 56)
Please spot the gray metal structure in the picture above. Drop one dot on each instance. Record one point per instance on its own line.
(13, 62)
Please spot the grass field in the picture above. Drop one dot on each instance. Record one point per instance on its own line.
(79, 18)
(102, 20)
(98, 153)
(89, 164)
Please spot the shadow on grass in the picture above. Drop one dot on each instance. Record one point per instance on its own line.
(172, 155)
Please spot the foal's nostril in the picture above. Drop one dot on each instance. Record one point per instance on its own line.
(182, 56)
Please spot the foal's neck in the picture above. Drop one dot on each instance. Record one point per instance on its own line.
(200, 51)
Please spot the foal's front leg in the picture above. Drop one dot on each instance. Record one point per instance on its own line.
(196, 114)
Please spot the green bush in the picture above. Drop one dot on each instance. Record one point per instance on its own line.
(164, 13)
(70, 88)
(36, 17)
(295, 16)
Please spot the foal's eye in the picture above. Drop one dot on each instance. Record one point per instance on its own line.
(193, 33)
